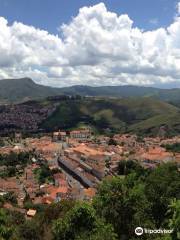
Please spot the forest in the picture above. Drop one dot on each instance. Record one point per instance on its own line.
(135, 198)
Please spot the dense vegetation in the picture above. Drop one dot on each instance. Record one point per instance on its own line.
(25, 89)
(13, 163)
(141, 115)
(44, 173)
(150, 199)
(173, 147)
(144, 116)
(14, 159)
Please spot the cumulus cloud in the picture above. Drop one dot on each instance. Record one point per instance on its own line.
(97, 47)
(178, 8)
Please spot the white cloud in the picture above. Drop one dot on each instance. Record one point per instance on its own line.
(97, 47)
(178, 8)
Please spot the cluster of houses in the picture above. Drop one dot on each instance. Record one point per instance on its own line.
(78, 161)
(25, 117)
(81, 135)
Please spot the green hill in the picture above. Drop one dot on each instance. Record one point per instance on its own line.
(124, 92)
(142, 115)
(19, 90)
(138, 115)
(117, 109)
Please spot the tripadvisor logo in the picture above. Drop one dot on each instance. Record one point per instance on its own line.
(139, 231)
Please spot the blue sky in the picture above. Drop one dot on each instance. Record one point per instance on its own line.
(49, 14)
(88, 42)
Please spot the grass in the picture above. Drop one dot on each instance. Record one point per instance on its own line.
(132, 114)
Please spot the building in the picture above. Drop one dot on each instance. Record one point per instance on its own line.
(89, 158)
(60, 136)
(156, 155)
(31, 213)
(82, 134)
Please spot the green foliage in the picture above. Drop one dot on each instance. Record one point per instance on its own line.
(43, 174)
(10, 197)
(55, 211)
(122, 203)
(67, 115)
(129, 166)
(6, 230)
(174, 222)
(29, 231)
(149, 199)
(161, 186)
(143, 116)
(173, 147)
(42, 223)
(12, 160)
(81, 223)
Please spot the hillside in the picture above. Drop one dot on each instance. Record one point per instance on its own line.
(124, 92)
(137, 115)
(142, 115)
(19, 90)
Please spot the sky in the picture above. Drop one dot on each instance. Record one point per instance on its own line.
(89, 42)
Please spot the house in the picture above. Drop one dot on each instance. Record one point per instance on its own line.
(60, 180)
(156, 155)
(90, 159)
(59, 136)
(57, 193)
(31, 213)
(18, 137)
(89, 193)
(82, 134)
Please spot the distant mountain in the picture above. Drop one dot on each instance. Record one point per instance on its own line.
(19, 90)
(24, 89)
(124, 91)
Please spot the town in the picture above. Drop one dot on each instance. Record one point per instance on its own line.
(70, 164)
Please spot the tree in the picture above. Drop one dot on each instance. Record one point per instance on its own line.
(172, 147)
(101, 122)
(127, 167)
(6, 231)
(82, 223)
(174, 223)
(10, 197)
(29, 231)
(162, 185)
(112, 142)
(43, 174)
(122, 203)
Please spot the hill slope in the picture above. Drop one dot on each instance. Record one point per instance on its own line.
(138, 115)
(19, 90)
(124, 91)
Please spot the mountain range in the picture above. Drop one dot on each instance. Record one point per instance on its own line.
(141, 115)
(24, 89)
(143, 110)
